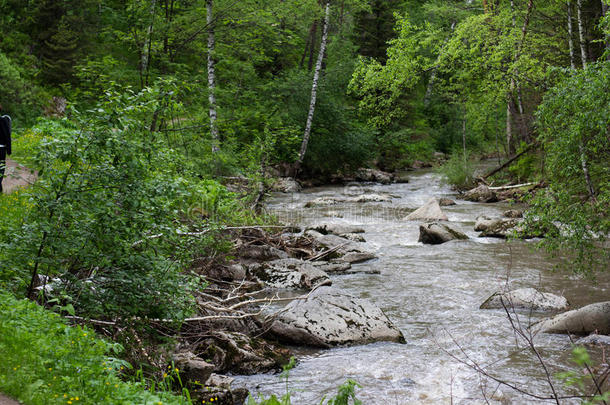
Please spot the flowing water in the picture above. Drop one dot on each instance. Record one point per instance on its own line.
(433, 294)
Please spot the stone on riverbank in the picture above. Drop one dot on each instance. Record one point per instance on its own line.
(589, 319)
(430, 211)
(290, 274)
(436, 234)
(373, 175)
(192, 368)
(341, 245)
(330, 317)
(286, 185)
(335, 229)
(481, 194)
(526, 298)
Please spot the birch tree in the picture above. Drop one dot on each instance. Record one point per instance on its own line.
(212, 77)
(314, 90)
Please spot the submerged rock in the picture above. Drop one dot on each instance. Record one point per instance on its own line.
(482, 194)
(435, 234)
(431, 211)
(330, 317)
(526, 298)
(594, 318)
(594, 340)
(289, 273)
(365, 198)
(322, 202)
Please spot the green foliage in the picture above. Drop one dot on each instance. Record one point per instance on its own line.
(19, 97)
(573, 121)
(45, 361)
(459, 170)
(584, 379)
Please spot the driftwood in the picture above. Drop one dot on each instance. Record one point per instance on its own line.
(508, 162)
(500, 188)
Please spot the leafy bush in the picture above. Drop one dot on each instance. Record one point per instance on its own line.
(19, 98)
(45, 361)
(459, 170)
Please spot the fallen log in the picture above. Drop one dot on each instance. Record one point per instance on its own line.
(500, 188)
(508, 162)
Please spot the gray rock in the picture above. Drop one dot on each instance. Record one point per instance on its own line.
(343, 246)
(358, 257)
(373, 175)
(446, 202)
(431, 211)
(435, 234)
(286, 185)
(482, 194)
(483, 222)
(333, 267)
(260, 252)
(322, 202)
(365, 198)
(330, 317)
(335, 229)
(500, 228)
(528, 299)
(594, 340)
(192, 367)
(289, 273)
(354, 237)
(594, 318)
(513, 214)
(220, 381)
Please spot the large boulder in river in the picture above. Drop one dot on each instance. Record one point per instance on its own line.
(289, 273)
(331, 317)
(589, 319)
(435, 234)
(499, 228)
(430, 211)
(482, 194)
(340, 246)
(526, 298)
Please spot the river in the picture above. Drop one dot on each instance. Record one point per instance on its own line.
(433, 294)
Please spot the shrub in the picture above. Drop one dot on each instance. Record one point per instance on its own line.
(459, 171)
(45, 361)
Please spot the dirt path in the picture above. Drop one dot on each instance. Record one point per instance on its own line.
(4, 400)
(15, 176)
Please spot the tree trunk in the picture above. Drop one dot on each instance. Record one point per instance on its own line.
(435, 68)
(509, 125)
(571, 36)
(585, 169)
(312, 45)
(212, 77)
(307, 45)
(314, 90)
(464, 136)
(581, 35)
(145, 60)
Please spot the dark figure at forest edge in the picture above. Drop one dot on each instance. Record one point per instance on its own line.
(5, 143)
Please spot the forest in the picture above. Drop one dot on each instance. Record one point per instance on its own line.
(192, 186)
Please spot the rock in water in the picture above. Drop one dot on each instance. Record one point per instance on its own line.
(589, 319)
(513, 214)
(594, 340)
(500, 228)
(446, 202)
(435, 234)
(373, 176)
(286, 185)
(526, 298)
(330, 317)
(289, 273)
(431, 211)
(482, 194)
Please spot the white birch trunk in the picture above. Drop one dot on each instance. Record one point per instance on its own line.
(571, 36)
(147, 45)
(212, 77)
(314, 89)
(581, 35)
